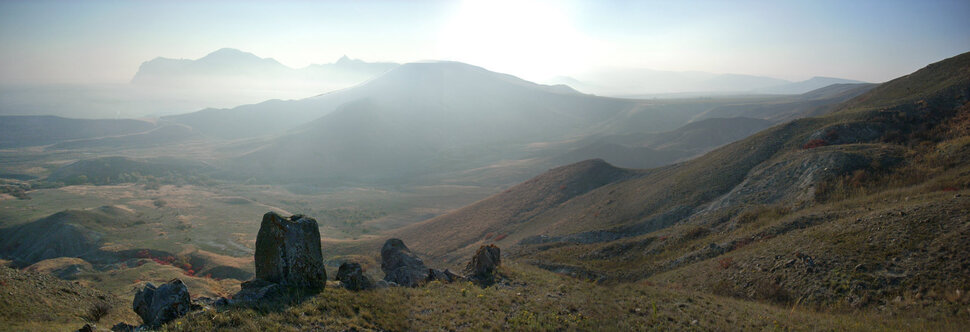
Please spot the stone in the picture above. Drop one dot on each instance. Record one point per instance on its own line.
(351, 275)
(157, 306)
(400, 265)
(288, 251)
(481, 269)
(86, 328)
(124, 327)
(258, 290)
(443, 276)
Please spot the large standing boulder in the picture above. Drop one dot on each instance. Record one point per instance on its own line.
(157, 306)
(288, 251)
(400, 265)
(351, 275)
(481, 269)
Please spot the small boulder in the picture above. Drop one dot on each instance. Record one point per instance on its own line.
(288, 251)
(86, 328)
(157, 306)
(353, 278)
(481, 269)
(257, 290)
(400, 265)
(124, 327)
(442, 276)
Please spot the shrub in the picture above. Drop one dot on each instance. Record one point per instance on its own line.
(725, 262)
(96, 312)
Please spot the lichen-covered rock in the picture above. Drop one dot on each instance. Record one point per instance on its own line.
(351, 275)
(157, 306)
(481, 269)
(288, 251)
(400, 265)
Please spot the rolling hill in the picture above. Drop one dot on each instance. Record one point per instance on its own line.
(426, 117)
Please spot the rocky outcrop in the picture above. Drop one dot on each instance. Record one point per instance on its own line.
(288, 251)
(481, 269)
(400, 265)
(351, 275)
(157, 306)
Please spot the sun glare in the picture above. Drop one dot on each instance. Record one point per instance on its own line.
(533, 39)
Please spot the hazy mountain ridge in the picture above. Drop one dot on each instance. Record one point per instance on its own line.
(648, 83)
(431, 117)
(227, 65)
(810, 84)
(812, 103)
(164, 86)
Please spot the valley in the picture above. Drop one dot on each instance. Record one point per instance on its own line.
(443, 195)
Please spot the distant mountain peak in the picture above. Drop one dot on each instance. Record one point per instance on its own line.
(232, 54)
(228, 50)
(348, 61)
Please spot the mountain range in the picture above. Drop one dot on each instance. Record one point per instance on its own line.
(232, 68)
(646, 83)
(442, 117)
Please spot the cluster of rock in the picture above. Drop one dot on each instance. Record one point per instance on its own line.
(288, 255)
(404, 268)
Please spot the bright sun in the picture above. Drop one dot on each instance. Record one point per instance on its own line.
(531, 39)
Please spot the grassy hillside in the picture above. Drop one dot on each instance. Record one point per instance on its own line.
(531, 299)
(41, 302)
(861, 208)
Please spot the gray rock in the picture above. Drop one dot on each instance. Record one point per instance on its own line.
(258, 290)
(351, 275)
(288, 251)
(400, 265)
(157, 306)
(481, 269)
(125, 327)
(443, 276)
(486, 260)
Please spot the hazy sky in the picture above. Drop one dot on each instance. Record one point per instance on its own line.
(105, 41)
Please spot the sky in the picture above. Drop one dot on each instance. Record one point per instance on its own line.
(80, 42)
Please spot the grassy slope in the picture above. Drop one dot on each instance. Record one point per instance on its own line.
(532, 300)
(41, 302)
